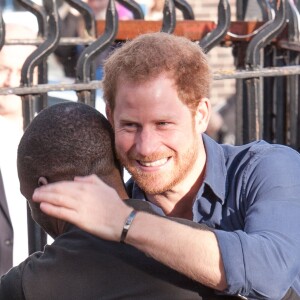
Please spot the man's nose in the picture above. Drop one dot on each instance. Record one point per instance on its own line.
(147, 142)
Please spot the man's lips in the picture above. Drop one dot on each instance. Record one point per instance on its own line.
(155, 163)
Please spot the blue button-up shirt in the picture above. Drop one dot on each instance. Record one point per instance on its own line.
(251, 197)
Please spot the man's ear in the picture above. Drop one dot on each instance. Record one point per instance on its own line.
(202, 115)
(42, 181)
(109, 115)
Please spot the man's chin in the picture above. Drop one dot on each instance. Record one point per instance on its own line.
(151, 185)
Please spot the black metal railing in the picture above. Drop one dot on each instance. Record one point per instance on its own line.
(266, 61)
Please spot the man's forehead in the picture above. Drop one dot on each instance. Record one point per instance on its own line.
(129, 79)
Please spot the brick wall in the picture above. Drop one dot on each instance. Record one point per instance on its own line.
(219, 57)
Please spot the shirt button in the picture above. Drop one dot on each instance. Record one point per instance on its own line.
(8, 242)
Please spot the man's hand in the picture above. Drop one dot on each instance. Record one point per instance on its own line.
(93, 206)
(86, 202)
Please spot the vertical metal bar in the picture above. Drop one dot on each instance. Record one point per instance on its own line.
(294, 96)
(266, 9)
(39, 56)
(269, 96)
(87, 13)
(40, 14)
(2, 30)
(36, 236)
(84, 67)
(169, 17)
(185, 8)
(280, 99)
(254, 60)
(241, 113)
(216, 36)
(241, 8)
(245, 110)
(239, 53)
(293, 86)
(40, 100)
(254, 111)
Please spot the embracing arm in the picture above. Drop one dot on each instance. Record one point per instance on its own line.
(262, 260)
(90, 204)
(191, 251)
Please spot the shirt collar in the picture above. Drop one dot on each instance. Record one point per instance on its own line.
(137, 193)
(215, 170)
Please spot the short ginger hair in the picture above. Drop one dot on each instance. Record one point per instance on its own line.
(150, 55)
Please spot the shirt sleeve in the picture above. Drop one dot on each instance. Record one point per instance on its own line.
(262, 261)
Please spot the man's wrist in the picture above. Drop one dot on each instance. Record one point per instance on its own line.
(127, 225)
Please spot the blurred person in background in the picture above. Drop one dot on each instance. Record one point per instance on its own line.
(13, 211)
(99, 8)
(153, 9)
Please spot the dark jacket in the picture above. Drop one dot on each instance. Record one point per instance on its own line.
(6, 233)
(81, 266)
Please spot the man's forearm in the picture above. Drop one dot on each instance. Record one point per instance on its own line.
(193, 252)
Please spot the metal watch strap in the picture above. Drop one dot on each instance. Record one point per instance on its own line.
(127, 225)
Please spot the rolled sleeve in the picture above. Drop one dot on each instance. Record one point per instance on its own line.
(233, 260)
(262, 261)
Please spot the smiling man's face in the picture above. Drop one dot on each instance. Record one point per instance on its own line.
(157, 137)
(12, 58)
(11, 61)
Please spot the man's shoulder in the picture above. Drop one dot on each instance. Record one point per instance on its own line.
(258, 152)
(94, 265)
(262, 166)
(256, 147)
(11, 283)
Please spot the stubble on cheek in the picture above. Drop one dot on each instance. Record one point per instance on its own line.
(149, 182)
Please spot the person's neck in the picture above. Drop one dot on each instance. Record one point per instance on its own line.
(178, 201)
(115, 181)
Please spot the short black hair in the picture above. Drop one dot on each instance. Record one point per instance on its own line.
(66, 140)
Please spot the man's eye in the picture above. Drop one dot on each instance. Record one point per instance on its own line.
(129, 126)
(162, 124)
